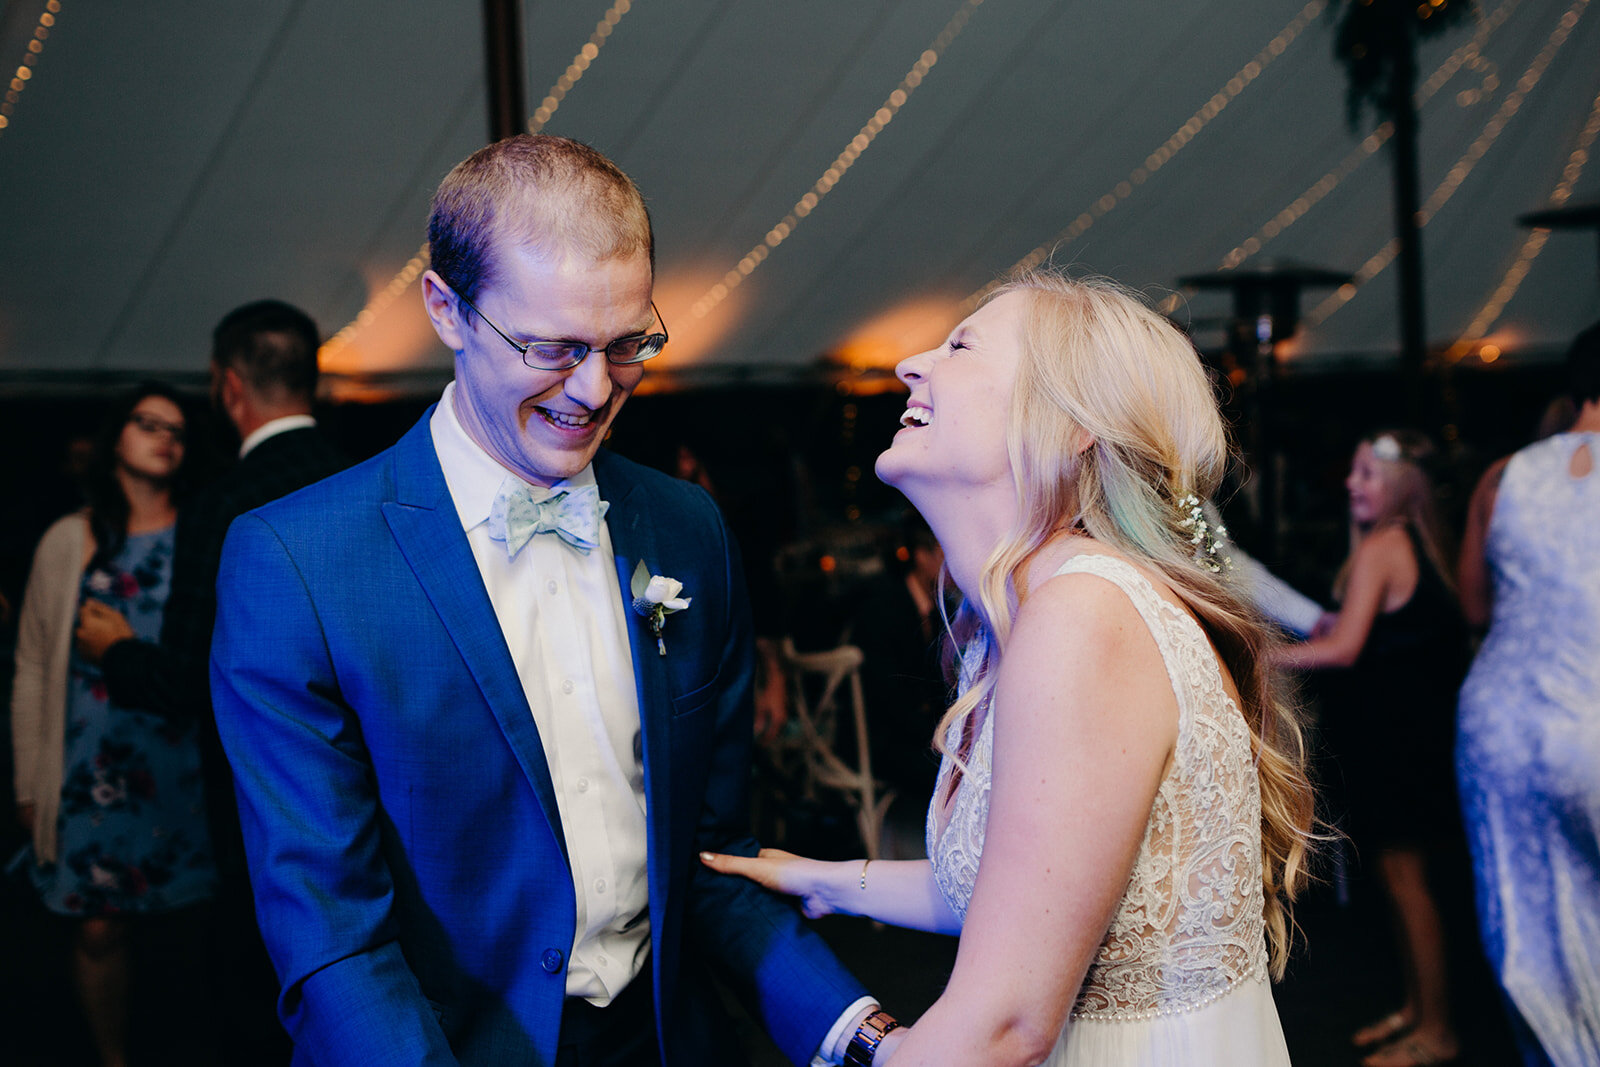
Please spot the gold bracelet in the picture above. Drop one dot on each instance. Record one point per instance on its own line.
(864, 875)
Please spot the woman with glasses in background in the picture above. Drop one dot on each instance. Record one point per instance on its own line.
(110, 796)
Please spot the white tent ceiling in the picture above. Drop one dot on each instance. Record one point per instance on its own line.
(167, 160)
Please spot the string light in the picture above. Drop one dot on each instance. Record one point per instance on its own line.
(418, 263)
(580, 63)
(1171, 147)
(1469, 55)
(1532, 245)
(841, 163)
(1463, 166)
(30, 57)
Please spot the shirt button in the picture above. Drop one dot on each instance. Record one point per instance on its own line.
(551, 960)
(551, 587)
(599, 885)
(566, 686)
(583, 785)
(602, 961)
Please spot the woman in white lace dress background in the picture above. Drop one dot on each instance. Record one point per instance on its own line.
(1122, 810)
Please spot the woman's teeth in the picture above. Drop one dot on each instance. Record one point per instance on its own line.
(914, 417)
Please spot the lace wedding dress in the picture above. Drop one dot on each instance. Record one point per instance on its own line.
(1181, 977)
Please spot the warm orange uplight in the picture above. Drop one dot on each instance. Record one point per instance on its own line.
(1489, 353)
(828, 564)
(914, 326)
(694, 338)
(399, 337)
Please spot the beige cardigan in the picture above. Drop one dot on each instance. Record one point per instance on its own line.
(39, 689)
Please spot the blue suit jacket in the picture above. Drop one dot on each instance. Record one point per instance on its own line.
(410, 872)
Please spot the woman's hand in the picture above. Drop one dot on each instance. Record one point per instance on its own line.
(814, 881)
(99, 627)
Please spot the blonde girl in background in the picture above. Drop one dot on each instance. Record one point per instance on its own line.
(1394, 658)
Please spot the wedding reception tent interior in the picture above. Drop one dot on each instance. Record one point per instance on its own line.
(832, 182)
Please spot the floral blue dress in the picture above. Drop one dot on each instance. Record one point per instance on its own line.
(132, 830)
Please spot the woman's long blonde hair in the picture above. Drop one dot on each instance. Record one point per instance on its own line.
(1098, 364)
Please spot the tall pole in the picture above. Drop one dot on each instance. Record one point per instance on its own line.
(502, 50)
(1407, 208)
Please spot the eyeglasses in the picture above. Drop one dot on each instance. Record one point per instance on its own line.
(538, 354)
(152, 425)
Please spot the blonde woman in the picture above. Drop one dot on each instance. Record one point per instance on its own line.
(1122, 810)
(1399, 643)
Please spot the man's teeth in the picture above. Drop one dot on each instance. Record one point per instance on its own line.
(914, 417)
(563, 419)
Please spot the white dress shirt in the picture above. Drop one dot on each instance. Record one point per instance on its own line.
(563, 619)
(282, 424)
(564, 622)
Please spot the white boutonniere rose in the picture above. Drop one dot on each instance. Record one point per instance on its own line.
(655, 597)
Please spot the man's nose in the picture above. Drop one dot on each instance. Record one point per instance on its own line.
(590, 382)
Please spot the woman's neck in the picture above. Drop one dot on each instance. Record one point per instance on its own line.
(969, 525)
(1588, 420)
(149, 502)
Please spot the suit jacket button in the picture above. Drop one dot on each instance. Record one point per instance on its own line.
(551, 960)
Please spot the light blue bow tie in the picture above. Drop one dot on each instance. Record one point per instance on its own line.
(571, 514)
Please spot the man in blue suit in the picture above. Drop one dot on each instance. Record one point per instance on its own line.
(474, 769)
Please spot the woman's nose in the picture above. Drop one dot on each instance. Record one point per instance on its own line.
(912, 369)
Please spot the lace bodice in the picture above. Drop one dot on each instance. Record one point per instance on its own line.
(1191, 922)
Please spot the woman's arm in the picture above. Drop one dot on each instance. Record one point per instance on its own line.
(1085, 722)
(898, 892)
(1472, 569)
(1380, 563)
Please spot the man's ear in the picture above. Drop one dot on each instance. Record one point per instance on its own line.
(231, 392)
(443, 311)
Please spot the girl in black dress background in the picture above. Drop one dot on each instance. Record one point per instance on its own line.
(1391, 664)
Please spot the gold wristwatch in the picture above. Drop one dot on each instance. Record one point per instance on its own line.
(868, 1036)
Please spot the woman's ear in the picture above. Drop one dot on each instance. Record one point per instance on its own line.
(1082, 441)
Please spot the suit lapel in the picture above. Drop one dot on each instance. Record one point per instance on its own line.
(425, 525)
(633, 539)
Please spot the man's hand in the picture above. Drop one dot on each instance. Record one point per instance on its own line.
(99, 627)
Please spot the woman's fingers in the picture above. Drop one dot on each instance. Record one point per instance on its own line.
(765, 868)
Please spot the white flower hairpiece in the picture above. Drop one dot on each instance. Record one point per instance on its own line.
(1206, 539)
(1387, 448)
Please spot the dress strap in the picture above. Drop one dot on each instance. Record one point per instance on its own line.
(1126, 577)
(1161, 617)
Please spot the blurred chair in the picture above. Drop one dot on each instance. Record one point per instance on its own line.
(831, 677)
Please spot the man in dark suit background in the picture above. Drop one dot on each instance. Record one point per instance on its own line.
(264, 379)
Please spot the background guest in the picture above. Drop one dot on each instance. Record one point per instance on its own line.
(264, 378)
(1401, 642)
(1529, 749)
(110, 795)
(898, 625)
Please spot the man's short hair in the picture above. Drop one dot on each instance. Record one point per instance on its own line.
(273, 347)
(1583, 366)
(549, 194)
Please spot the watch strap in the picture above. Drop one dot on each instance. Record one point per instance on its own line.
(868, 1036)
